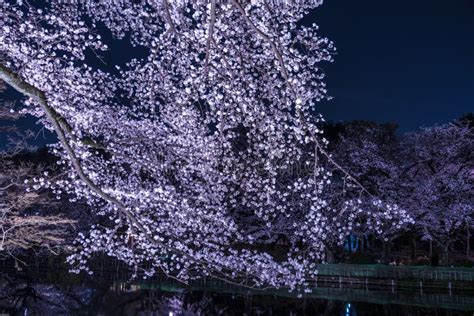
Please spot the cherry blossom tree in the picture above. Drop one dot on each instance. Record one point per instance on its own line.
(439, 167)
(169, 147)
(373, 153)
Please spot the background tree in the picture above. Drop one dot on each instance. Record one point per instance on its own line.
(427, 172)
(439, 166)
(373, 153)
(24, 224)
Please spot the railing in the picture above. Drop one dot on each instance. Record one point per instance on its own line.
(438, 299)
(378, 271)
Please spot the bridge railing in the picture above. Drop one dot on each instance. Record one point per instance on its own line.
(380, 271)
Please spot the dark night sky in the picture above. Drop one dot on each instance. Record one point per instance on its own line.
(404, 61)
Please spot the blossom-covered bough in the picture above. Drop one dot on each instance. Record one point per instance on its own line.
(176, 148)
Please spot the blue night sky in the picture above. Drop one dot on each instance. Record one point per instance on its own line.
(405, 61)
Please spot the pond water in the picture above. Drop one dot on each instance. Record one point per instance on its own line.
(47, 289)
(26, 297)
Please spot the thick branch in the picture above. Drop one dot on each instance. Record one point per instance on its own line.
(209, 36)
(166, 8)
(264, 36)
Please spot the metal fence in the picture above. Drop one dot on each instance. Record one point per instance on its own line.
(380, 271)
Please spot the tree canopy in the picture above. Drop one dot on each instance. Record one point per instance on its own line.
(216, 119)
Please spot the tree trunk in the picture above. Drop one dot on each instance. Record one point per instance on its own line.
(330, 258)
(385, 251)
(413, 250)
(434, 258)
(446, 254)
(431, 248)
(468, 240)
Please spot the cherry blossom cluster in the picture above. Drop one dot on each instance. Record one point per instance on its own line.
(175, 148)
